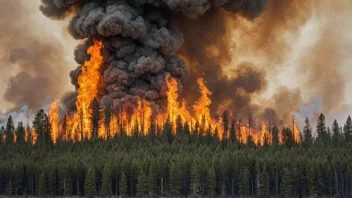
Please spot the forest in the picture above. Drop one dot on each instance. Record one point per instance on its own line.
(180, 163)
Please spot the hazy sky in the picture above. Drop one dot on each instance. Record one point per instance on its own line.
(323, 39)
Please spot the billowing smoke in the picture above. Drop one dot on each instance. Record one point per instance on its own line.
(145, 41)
(32, 62)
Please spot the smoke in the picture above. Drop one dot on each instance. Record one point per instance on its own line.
(33, 62)
(143, 42)
(235, 45)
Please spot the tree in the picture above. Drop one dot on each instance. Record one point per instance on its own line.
(263, 185)
(286, 184)
(175, 179)
(20, 132)
(107, 118)
(321, 129)
(244, 182)
(123, 185)
(10, 130)
(307, 134)
(233, 137)
(310, 178)
(211, 181)
(225, 125)
(142, 184)
(195, 179)
(106, 187)
(42, 184)
(90, 188)
(336, 133)
(95, 117)
(151, 180)
(347, 129)
(275, 136)
(179, 127)
(40, 126)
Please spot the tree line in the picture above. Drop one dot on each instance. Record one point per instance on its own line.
(184, 163)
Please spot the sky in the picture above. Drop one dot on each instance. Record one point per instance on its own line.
(315, 60)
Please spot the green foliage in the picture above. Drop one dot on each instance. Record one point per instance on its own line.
(90, 187)
(123, 185)
(106, 187)
(211, 182)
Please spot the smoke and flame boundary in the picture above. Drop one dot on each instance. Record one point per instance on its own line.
(79, 126)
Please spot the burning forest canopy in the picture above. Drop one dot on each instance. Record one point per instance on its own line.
(139, 58)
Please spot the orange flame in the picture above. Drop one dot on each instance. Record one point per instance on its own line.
(54, 120)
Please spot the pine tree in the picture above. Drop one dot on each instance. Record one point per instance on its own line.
(336, 133)
(179, 127)
(123, 185)
(10, 130)
(106, 187)
(107, 118)
(244, 182)
(151, 180)
(263, 187)
(39, 125)
(311, 182)
(233, 137)
(142, 184)
(211, 182)
(307, 134)
(225, 125)
(90, 188)
(42, 184)
(286, 184)
(95, 117)
(347, 129)
(321, 130)
(275, 136)
(195, 179)
(20, 132)
(175, 179)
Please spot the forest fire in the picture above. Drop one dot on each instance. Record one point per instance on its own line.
(137, 119)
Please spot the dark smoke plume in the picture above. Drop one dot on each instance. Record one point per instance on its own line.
(144, 40)
(32, 60)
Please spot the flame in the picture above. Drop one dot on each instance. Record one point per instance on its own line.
(54, 120)
(34, 137)
(296, 134)
(135, 119)
(88, 83)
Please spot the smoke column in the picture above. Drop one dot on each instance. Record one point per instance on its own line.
(145, 41)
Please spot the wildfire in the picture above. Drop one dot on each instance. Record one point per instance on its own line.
(54, 120)
(136, 119)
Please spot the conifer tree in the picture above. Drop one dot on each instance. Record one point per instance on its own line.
(336, 133)
(123, 185)
(233, 137)
(211, 182)
(195, 179)
(307, 134)
(311, 183)
(175, 179)
(179, 127)
(107, 118)
(42, 184)
(321, 130)
(225, 125)
(142, 184)
(263, 187)
(95, 117)
(347, 129)
(39, 125)
(10, 130)
(20, 132)
(90, 187)
(244, 182)
(151, 180)
(106, 187)
(275, 137)
(286, 183)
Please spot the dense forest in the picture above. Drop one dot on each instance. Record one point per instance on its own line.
(183, 163)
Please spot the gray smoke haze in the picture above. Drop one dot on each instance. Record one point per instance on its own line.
(33, 60)
(143, 41)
